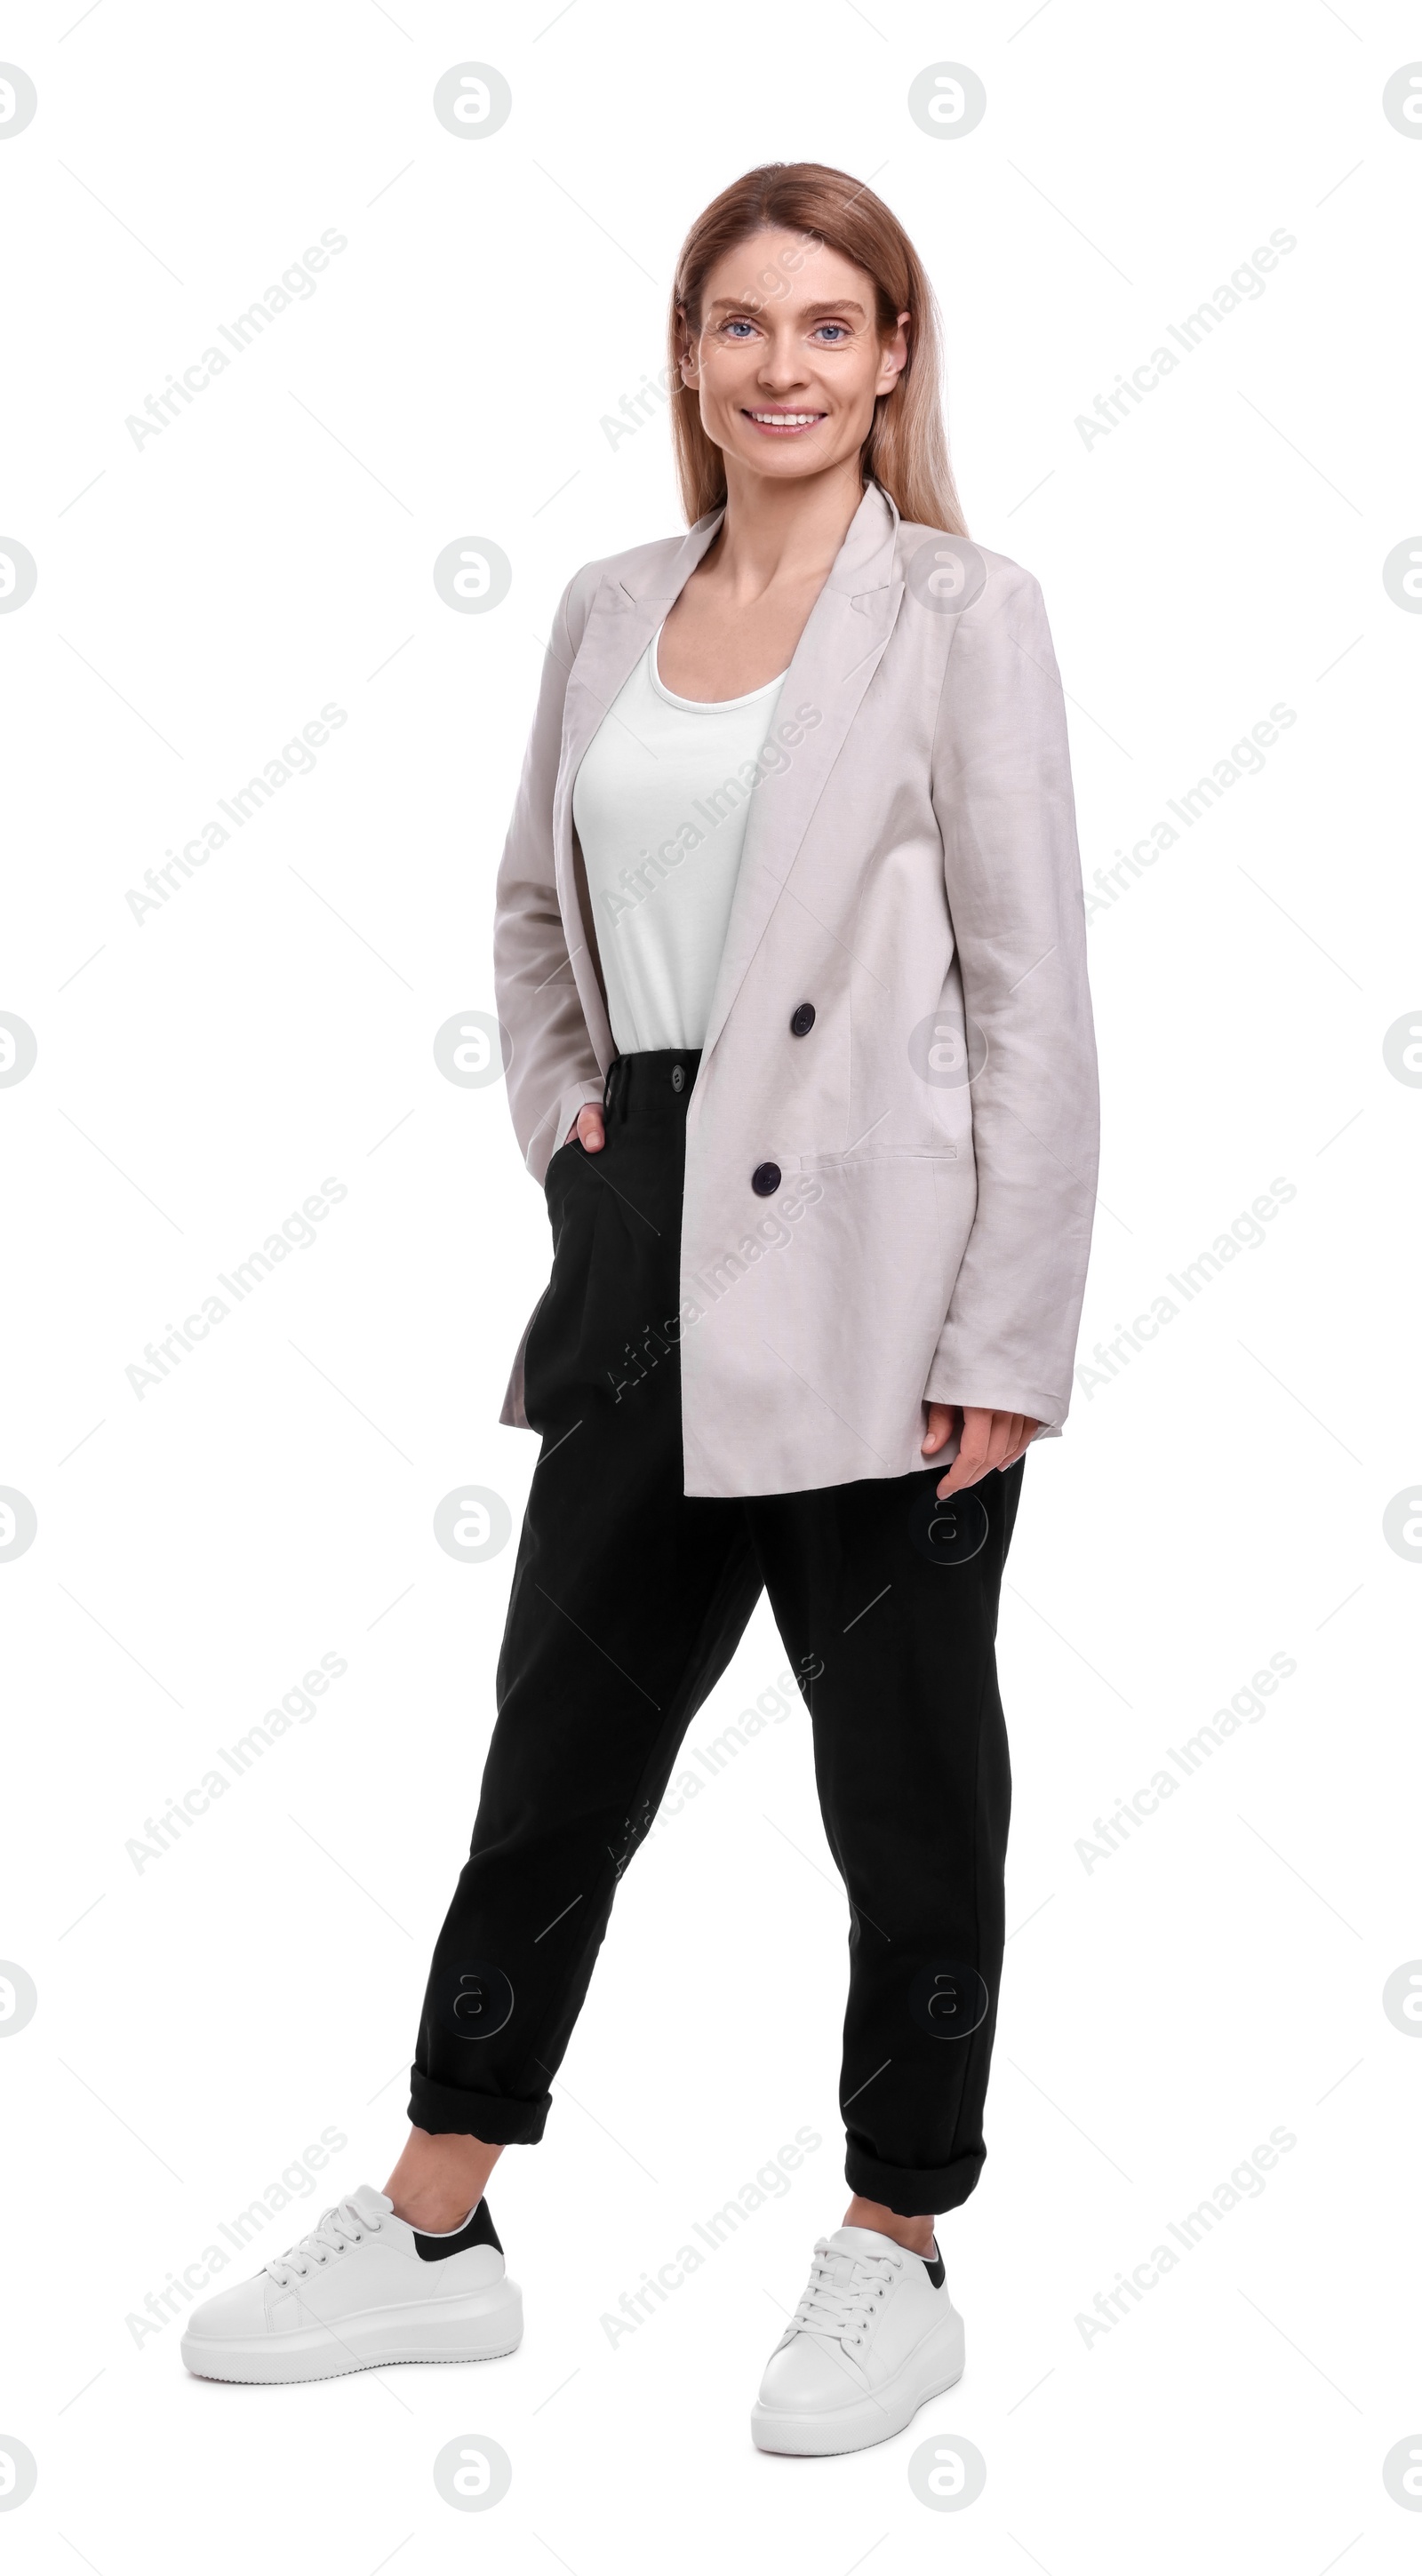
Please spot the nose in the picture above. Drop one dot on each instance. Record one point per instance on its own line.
(781, 369)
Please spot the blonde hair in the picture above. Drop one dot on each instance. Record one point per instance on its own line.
(907, 448)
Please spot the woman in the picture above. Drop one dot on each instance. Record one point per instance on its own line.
(790, 953)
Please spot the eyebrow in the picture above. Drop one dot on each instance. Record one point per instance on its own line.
(811, 312)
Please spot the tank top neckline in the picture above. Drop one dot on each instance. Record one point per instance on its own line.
(704, 706)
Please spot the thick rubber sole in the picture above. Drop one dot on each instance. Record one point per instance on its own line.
(935, 2364)
(482, 2326)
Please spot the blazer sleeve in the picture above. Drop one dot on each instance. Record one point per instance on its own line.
(552, 1070)
(1003, 796)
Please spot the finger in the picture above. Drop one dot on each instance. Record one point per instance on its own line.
(1006, 1433)
(987, 1444)
(940, 1424)
(960, 1476)
(967, 1467)
(996, 1448)
(990, 1449)
(1030, 1429)
(590, 1129)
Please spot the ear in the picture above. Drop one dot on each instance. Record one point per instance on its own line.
(895, 355)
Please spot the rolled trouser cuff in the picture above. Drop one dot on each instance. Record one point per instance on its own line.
(912, 2191)
(447, 2109)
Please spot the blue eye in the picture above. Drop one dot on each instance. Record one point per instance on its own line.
(841, 327)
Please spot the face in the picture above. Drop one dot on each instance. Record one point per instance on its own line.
(788, 361)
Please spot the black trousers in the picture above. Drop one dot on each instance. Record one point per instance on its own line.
(628, 1601)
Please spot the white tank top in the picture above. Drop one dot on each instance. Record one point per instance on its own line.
(660, 802)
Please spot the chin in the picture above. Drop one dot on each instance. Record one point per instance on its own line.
(787, 460)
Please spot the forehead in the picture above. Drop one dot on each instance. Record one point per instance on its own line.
(785, 272)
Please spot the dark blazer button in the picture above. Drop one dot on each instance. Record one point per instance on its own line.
(678, 1077)
(802, 1019)
(765, 1179)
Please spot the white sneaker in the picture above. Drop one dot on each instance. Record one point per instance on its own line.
(873, 2337)
(361, 2289)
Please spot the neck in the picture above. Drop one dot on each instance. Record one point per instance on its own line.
(783, 532)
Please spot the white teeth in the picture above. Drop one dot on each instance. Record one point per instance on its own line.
(787, 419)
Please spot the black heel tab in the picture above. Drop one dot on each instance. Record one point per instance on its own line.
(478, 2229)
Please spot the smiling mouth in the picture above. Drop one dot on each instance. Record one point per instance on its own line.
(784, 424)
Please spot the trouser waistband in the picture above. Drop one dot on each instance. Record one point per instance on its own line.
(655, 1083)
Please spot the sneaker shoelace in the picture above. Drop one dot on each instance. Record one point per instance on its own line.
(333, 2232)
(842, 2296)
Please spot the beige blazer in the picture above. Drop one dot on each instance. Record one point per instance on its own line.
(910, 869)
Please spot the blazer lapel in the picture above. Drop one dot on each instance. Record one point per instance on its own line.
(626, 612)
(834, 661)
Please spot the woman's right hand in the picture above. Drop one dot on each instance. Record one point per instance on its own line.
(588, 1129)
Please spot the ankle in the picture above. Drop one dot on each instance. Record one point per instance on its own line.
(439, 2179)
(914, 2234)
(433, 2208)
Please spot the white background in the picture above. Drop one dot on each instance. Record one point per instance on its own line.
(1218, 1501)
